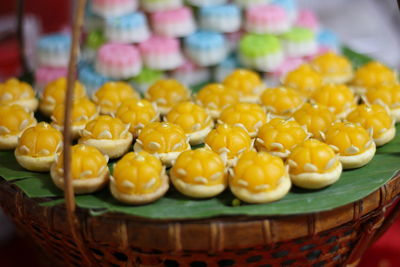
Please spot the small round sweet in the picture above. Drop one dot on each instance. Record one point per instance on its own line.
(38, 147)
(314, 165)
(118, 61)
(276, 77)
(83, 111)
(45, 75)
(113, 8)
(259, 178)
(215, 97)
(291, 7)
(20, 93)
(164, 140)
(54, 94)
(247, 83)
(190, 74)
(160, 5)
(161, 53)
(316, 118)
(262, 52)
(376, 119)
(137, 113)
(14, 119)
(173, 23)
(109, 135)
(249, 116)
(90, 78)
(89, 171)
(352, 142)
(299, 42)
(307, 19)
(206, 48)
(304, 79)
(282, 101)
(52, 50)
(229, 142)
(371, 75)
(264, 18)
(199, 173)
(221, 18)
(138, 178)
(337, 97)
(146, 78)
(386, 94)
(328, 40)
(167, 93)
(130, 28)
(334, 68)
(110, 96)
(280, 136)
(194, 120)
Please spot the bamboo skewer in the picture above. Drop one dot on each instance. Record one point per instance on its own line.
(69, 190)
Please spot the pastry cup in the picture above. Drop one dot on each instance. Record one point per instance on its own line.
(166, 158)
(196, 190)
(359, 160)
(37, 164)
(312, 180)
(113, 148)
(31, 104)
(198, 137)
(385, 137)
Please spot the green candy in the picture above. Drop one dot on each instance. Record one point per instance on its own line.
(147, 76)
(95, 39)
(258, 45)
(299, 35)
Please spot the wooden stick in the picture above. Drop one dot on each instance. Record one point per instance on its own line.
(68, 189)
(20, 35)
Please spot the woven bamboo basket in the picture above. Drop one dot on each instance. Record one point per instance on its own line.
(73, 237)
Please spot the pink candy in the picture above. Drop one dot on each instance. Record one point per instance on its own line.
(175, 15)
(159, 44)
(266, 14)
(288, 65)
(307, 19)
(45, 75)
(118, 54)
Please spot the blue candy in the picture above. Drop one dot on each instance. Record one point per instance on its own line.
(328, 38)
(222, 10)
(54, 43)
(129, 21)
(90, 78)
(205, 40)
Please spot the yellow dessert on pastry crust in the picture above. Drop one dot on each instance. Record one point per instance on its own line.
(376, 119)
(280, 136)
(83, 111)
(386, 94)
(54, 94)
(199, 173)
(353, 143)
(166, 94)
(89, 170)
(249, 116)
(38, 147)
(334, 68)
(247, 83)
(229, 142)
(215, 97)
(164, 140)
(313, 165)
(110, 96)
(17, 92)
(138, 178)
(194, 120)
(259, 178)
(303, 79)
(110, 135)
(337, 97)
(138, 113)
(282, 101)
(315, 118)
(14, 119)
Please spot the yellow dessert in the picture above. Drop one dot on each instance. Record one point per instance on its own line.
(313, 165)
(282, 101)
(247, 83)
(54, 94)
(13, 121)
(110, 96)
(164, 140)
(376, 119)
(334, 68)
(353, 143)
(280, 136)
(259, 178)
(371, 75)
(249, 116)
(138, 178)
(38, 147)
(337, 97)
(83, 111)
(17, 92)
(386, 94)
(194, 120)
(138, 113)
(199, 173)
(110, 135)
(315, 118)
(89, 170)
(303, 79)
(215, 97)
(166, 94)
(229, 142)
